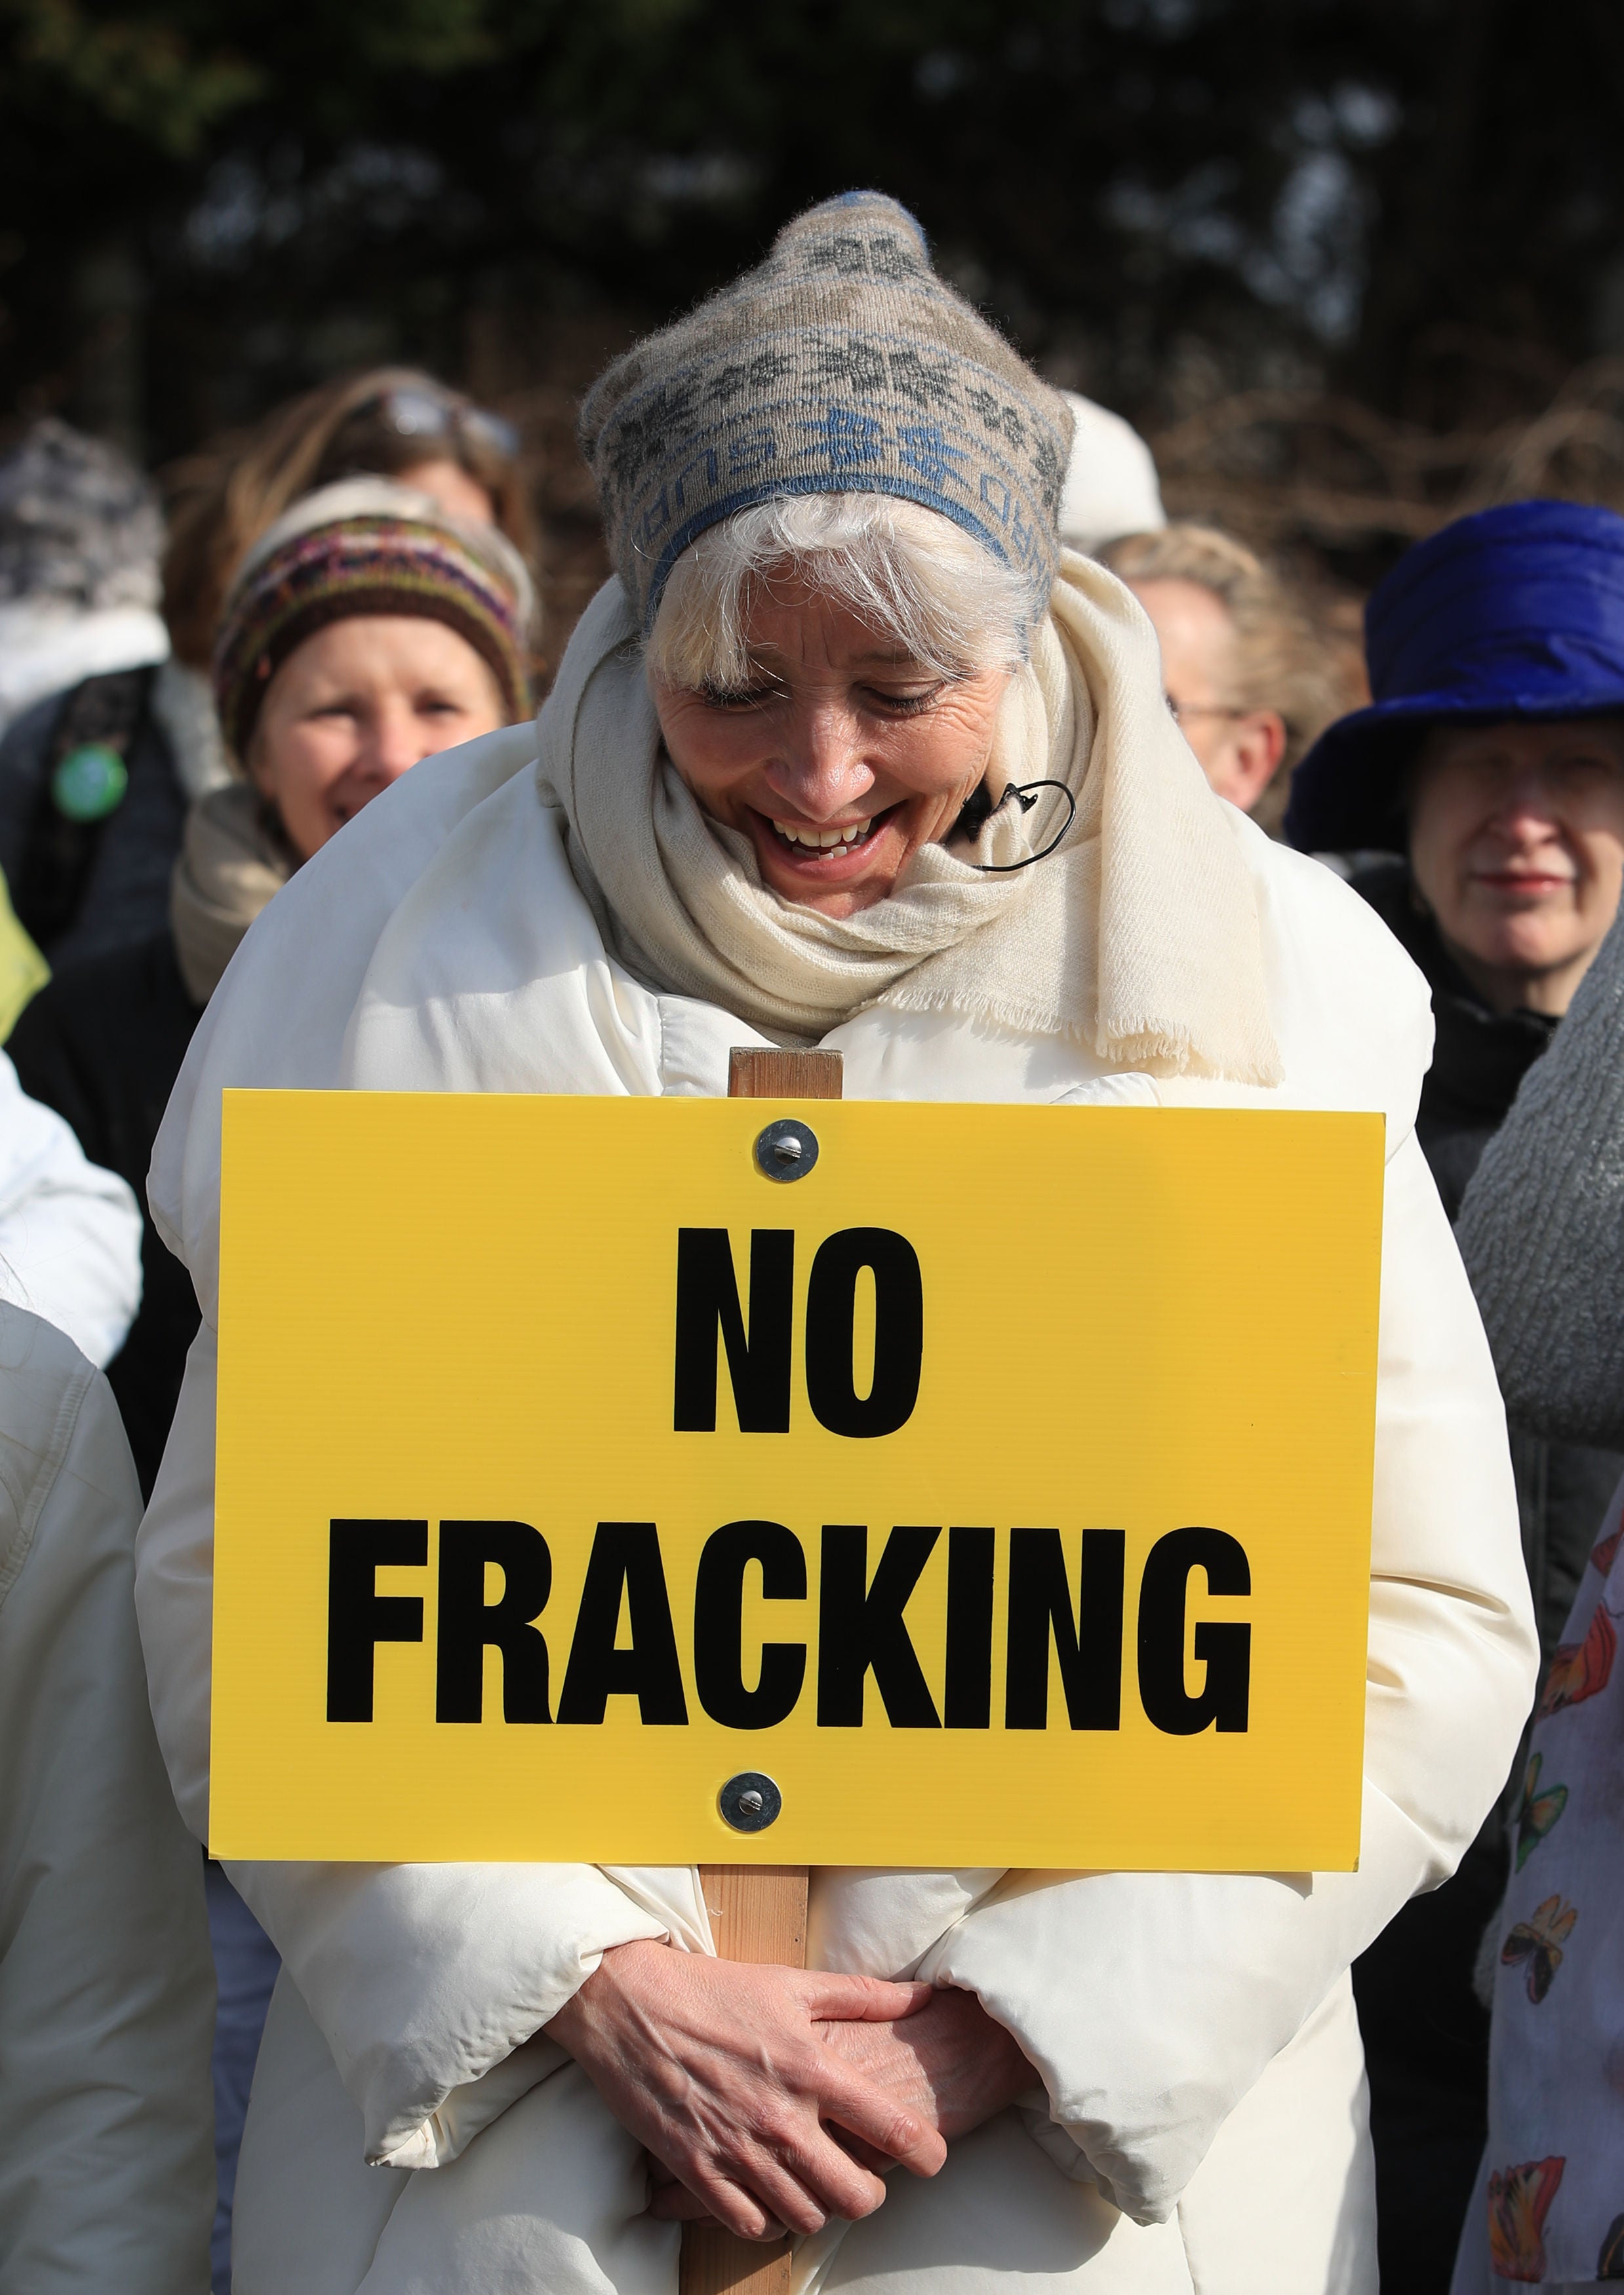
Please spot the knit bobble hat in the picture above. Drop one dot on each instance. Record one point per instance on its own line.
(367, 546)
(841, 364)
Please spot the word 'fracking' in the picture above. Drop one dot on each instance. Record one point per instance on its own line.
(862, 1631)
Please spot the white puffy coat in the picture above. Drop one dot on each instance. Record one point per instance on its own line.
(107, 2171)
(1203, 2124)
(70, 1232)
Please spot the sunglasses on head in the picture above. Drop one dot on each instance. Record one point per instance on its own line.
(423, 414)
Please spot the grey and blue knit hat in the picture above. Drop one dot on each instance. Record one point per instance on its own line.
(841, 364)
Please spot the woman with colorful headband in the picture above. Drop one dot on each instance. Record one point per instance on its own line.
(365, 631)
(96, 779)
(779, 794)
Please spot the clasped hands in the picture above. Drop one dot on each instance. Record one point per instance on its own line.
(768, 2098)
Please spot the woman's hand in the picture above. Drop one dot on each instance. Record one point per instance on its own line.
(950, 2062)
(725, 2074)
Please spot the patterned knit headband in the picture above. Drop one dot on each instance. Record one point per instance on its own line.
(374, 563)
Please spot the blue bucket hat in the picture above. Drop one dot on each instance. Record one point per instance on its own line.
(1514, 612)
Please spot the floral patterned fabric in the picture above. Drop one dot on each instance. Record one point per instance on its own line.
(1549, 2209)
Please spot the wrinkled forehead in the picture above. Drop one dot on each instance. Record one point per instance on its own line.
(807, 629)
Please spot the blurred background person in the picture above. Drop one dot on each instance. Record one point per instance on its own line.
(106, 2173)
(95, 781)
(80, 534)
(1251, 677)
(392, 423)
(79, 537)
(1549, 2209)
(367, 631)
(1481, 795)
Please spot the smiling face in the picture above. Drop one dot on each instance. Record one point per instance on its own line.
(842, 755)
(354, 707)
(1516, 845)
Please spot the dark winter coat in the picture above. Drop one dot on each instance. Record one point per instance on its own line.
(102, 1045)
(82, 888)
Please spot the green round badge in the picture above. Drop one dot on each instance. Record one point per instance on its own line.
(90, 783)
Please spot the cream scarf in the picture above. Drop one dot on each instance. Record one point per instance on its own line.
(1139, 936)
(233, 858)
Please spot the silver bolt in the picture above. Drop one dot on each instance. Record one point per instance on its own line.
(749, 1802)
(786, 1150)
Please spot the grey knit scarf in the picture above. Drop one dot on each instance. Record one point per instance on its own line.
(1542, 1227)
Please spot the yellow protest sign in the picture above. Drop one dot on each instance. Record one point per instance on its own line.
(915, 1485)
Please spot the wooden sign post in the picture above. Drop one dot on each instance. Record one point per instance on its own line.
(757, 1911)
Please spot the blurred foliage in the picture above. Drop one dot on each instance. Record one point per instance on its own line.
(1418, 203)
(143, 77)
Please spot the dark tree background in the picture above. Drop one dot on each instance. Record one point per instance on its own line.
(1352, 263)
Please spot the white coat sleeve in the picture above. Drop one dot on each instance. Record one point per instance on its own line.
(107, 2170)
(424, 1980)
(1151, 2002)
(70, 1232)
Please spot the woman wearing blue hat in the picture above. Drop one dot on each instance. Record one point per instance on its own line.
(1479, 802)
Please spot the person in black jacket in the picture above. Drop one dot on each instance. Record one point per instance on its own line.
(102, 1045)
(1482, 797)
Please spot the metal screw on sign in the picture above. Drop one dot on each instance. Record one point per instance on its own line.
(786, 1150)
(749, 1802)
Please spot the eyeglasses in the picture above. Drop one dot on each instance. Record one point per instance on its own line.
(423, 414)
(1181, 712)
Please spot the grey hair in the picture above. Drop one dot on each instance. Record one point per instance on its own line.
(906, 573)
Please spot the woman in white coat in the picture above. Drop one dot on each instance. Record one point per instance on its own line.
(106, 1996)
(848, 753)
